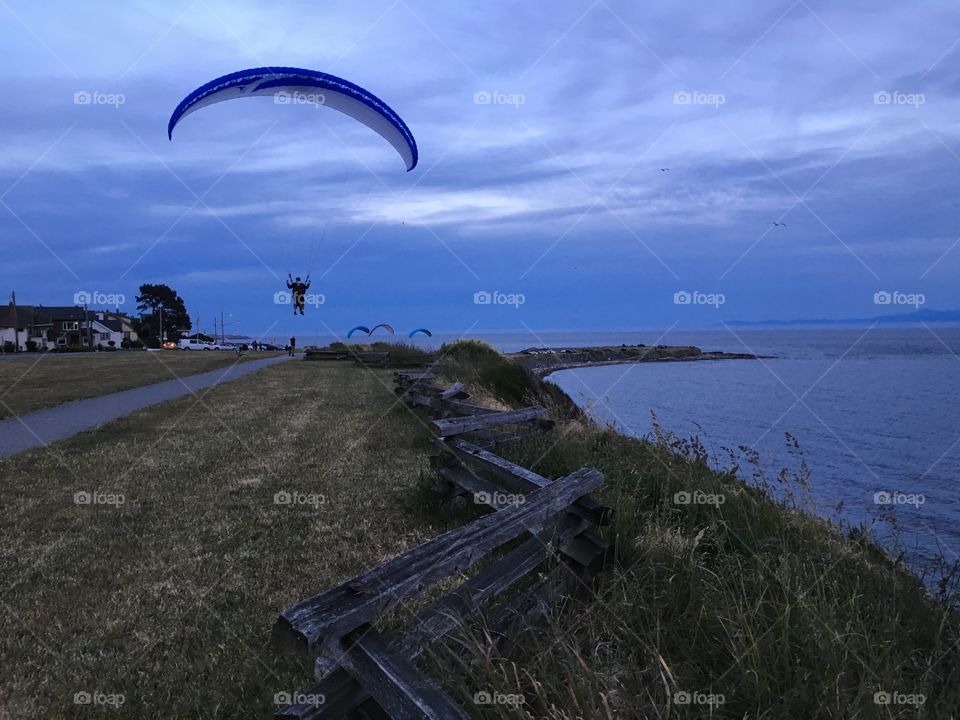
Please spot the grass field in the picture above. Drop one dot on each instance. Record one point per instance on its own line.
(168, 598)
(40, 381)
(745, 608)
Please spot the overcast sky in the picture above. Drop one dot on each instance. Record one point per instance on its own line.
(542, 134)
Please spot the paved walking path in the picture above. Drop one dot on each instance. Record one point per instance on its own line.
(57, 423)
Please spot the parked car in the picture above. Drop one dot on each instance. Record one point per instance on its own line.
(191, 344)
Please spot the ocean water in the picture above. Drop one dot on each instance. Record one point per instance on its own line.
(874, 412)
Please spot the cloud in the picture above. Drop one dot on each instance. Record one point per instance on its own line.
(544, 147)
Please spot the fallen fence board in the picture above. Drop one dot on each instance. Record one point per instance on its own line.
(454, 390)
(472, 423)
(337, 693)
(341, 692)
(462, 408)
(436, 402)
(483, 491)
(327, 355)
(450, 612)
(520, 476)
(395, 683)
(415, 375)
(328, 616)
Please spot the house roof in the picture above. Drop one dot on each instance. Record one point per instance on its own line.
(113, 323)
(43, 315)
(26, 315)
(16, 319)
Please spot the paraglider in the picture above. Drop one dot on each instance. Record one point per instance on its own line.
(298, 86)
(421, 330)
(299, 288)
(358, 327)
(382, 325)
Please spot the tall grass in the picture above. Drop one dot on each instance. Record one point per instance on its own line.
(726, 599)
(484, 370)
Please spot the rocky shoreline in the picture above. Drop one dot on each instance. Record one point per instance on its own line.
(544, 361)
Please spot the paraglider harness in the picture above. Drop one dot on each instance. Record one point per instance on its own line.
(299, 290)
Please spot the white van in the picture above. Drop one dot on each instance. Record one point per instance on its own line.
(190, 344)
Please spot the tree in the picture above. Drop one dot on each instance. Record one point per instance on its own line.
(163, 301)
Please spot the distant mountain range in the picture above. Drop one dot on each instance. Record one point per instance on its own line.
(913, 318)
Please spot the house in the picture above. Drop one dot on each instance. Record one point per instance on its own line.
(39, 327)
(112, 327)
(19, 330)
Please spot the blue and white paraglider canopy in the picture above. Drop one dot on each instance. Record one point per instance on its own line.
(286, 84)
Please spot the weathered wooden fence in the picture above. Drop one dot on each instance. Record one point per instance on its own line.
(361, 673)
(362, 357)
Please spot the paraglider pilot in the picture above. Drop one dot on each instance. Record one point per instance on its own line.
(299, 289)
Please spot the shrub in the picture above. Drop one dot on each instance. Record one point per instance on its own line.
(474, 362)
(403, 354)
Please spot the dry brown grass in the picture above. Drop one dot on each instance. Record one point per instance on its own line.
(40, 381)
(169, 598)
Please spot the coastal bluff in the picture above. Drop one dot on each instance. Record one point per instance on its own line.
(542, 360)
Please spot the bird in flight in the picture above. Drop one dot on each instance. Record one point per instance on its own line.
(664, 169)
(779, 224)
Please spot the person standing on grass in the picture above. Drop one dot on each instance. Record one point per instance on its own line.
(293, 346)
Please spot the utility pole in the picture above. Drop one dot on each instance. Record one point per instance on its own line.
(86, 316)
(16, 331)
(223, 337)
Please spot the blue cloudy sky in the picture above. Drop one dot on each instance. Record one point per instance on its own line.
(542, 135)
